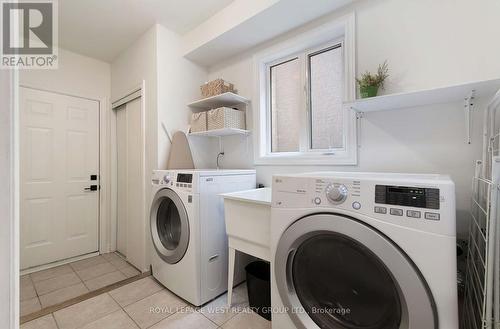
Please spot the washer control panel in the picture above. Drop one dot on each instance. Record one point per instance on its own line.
(179, 180)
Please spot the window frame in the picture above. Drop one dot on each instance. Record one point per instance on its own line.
(323, 38)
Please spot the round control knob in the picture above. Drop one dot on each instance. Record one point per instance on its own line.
(166, 179)
(336, 194)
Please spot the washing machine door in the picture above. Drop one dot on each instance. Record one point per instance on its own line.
(333, 271)
(169, 226)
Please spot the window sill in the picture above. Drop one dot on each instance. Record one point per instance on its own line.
(306, 160)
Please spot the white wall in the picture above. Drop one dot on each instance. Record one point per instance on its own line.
(428, 44)
(179, 82)
(77, 75)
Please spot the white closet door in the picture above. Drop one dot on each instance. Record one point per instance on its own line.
(130, 190)
(121, 186)
(59, 151)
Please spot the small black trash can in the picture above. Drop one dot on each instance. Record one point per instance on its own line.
(259, 288)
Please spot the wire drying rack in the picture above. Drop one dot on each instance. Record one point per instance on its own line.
(481, 308)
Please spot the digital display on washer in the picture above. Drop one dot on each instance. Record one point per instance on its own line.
(407, 196)
(185, 178)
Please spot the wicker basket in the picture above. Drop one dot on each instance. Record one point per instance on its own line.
(198, 122)
(216, 87)
(225, 117)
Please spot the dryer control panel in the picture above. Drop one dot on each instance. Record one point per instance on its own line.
(419, 201)
(409, 196)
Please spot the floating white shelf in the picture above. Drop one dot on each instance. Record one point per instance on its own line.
(221, 132)
(226, 99)
(442, 95)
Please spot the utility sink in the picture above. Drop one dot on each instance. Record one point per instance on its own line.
(247, 216)
(248, 221)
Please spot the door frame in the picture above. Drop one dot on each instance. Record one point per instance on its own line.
(9, 273)
(113, 220)
(104, 174)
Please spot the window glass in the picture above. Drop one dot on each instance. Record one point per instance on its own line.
(285, 106)
(325, 87)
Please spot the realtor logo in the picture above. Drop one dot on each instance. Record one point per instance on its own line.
(29, 34)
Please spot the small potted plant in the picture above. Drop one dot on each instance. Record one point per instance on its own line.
(370, 83)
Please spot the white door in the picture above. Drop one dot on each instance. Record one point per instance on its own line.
(59, 151)
(121, 173)
(130, 190)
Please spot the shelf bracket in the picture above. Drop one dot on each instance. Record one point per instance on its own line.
(468, 108)
(359, 116)
(221, 152)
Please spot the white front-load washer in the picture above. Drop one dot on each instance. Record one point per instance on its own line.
(189, 254)
(363, 250)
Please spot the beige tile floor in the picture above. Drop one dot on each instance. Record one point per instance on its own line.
(147, 304)
(58, 284)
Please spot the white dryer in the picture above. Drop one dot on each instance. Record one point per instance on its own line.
(363, 250)
(189, 254)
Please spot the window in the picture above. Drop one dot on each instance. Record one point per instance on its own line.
(285, 106)
(325, 69)
(302, 87)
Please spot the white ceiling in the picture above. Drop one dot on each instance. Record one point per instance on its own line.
(103, 28)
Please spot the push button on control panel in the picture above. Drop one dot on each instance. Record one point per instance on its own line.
(380, 210)
(413, 213)
(432, 216)
(356, 205)
(317, 200)
(396, 212)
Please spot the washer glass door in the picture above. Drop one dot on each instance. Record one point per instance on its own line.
(169, 226)
(335, 272)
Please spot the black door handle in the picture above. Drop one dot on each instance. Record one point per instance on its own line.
(91, 188)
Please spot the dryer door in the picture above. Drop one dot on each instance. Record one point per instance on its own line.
(169, 226)
(335, 272)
